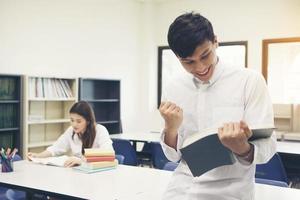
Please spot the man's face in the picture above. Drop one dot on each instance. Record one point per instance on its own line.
(202, 63)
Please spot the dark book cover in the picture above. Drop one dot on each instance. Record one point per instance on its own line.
(206, 153)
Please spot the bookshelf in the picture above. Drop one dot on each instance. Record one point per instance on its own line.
(283, 117)
(104, 97)
(10, 111)
(46, 110)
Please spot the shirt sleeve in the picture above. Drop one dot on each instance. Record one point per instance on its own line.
(172, 154)
(103, 140)
(259, 113)
(61, 145)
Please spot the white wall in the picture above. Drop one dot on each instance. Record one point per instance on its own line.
(233, 20)
(237, 20)
(76, 38)
(118, 39)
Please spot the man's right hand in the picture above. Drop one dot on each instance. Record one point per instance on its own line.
(173, 116)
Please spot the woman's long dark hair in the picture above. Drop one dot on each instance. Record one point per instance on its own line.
(83, 109)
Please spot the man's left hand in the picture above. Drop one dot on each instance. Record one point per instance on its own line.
(235, 137)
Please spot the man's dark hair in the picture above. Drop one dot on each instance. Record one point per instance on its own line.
(187, 32)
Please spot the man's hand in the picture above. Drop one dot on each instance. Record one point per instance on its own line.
(173, 116)
(235, 137)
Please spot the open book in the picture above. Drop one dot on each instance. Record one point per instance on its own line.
(204, 151)
(55, 161)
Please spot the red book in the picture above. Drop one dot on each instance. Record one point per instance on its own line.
(99, 158)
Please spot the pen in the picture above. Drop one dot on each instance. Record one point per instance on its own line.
(8, 151)
(3, 154)
(14, 153)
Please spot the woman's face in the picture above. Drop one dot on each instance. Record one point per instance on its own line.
(78, 123)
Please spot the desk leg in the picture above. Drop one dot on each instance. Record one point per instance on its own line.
(134, 145)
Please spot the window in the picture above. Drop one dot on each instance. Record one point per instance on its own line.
(234, 53)
(281, 69)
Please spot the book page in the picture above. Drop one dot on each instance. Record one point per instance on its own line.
(257, 133)
(196, 136)
(55, 161)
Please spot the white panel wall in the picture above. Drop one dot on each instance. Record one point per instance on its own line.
(233, 20)
(118, 39)
(75, 38)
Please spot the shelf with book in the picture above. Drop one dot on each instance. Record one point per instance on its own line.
(9, 129)
(10, 111)
(283, 117)
(49, 121)
(52, 99)
(9, 101)
(102, 100)
(104, 96)
(47, 104)
(40, 144)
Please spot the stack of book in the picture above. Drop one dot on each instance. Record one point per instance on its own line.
(97, 160)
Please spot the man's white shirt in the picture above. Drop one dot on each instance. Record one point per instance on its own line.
(231, 95)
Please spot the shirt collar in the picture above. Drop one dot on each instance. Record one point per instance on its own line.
(215, 76)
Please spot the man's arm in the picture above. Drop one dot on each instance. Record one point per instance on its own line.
(173, 117)
(259, 113)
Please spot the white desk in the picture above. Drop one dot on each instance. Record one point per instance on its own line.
(123, 183)
(138, 137)
(290, 147)
(268, 192)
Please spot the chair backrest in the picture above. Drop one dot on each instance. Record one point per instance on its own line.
(3, 192)
(16, 157)
(124, 147)
(158, 156)
(170, 166)
(271, 182)
(120, 158)
(272, 170)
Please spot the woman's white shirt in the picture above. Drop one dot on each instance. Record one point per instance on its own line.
(66, 143)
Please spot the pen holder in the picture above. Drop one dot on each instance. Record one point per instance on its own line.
(6, 165)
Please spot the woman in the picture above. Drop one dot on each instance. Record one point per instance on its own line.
(83, 133)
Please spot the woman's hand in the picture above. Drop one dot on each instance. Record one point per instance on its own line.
(32, 155)
(72, 161)
(43, 154)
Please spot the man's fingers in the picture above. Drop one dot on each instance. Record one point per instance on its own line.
(245, 129)
(162, 105)
(169, 107)
(165, 106)
(225, 128)
(236, 128)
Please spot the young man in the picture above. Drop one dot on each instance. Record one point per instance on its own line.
(213, 95)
